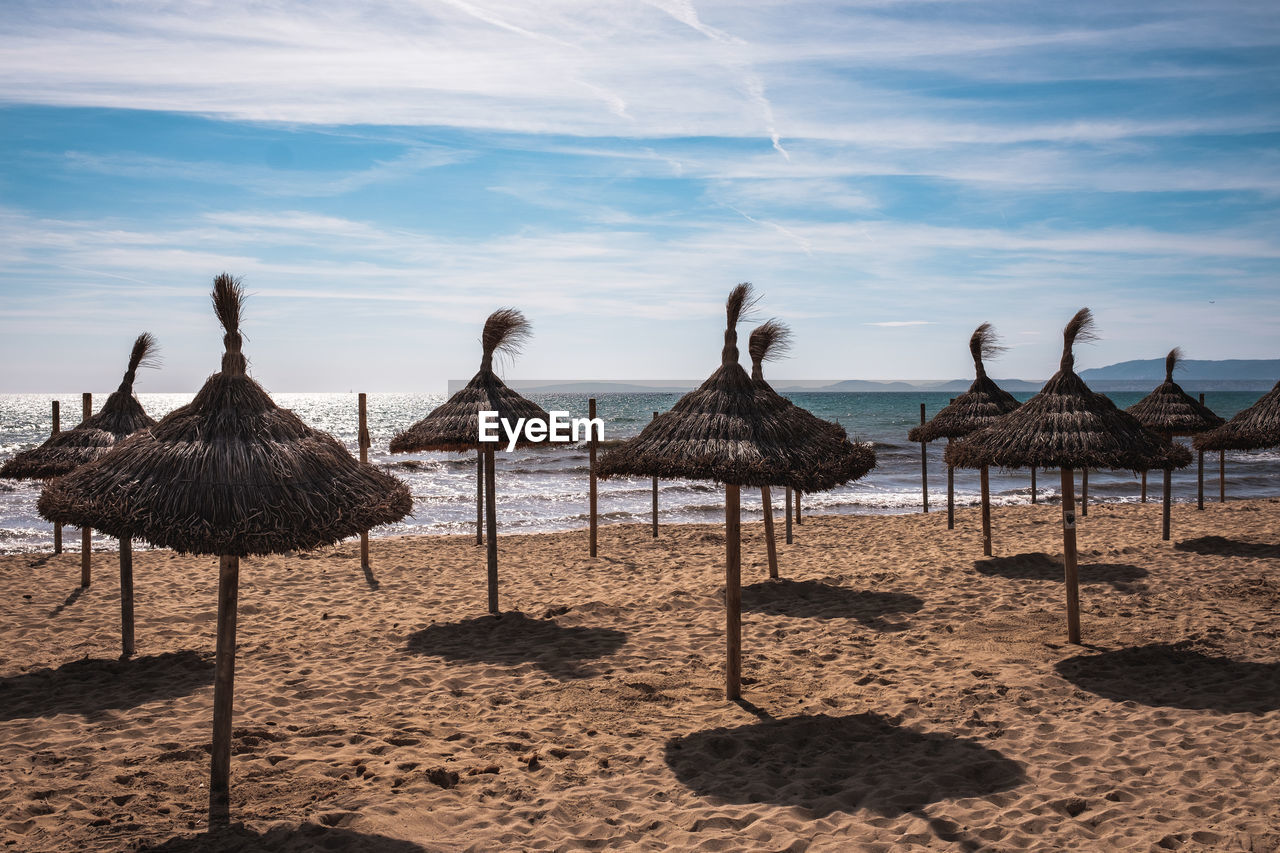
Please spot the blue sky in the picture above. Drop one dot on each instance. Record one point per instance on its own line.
(889, 173)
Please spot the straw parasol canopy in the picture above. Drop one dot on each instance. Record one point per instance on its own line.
(727, 432)
(848, 460)
(1068, 426)
(1254, 428)
(980, 406)
(455, 425)
(120, 416)
(768, 342)
(228, 474)
(1169, 410)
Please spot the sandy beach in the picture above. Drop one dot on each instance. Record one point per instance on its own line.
(900, 691)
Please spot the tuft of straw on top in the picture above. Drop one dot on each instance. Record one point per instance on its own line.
(1080, 329)
(984, 344)
(769, 341)
(228, 301)
(738, 307)
(506, 331)
(146, 353)
(1171, 363)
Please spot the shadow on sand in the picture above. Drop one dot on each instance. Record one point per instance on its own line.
(1039, 566)
(1176, 676)
(830, 764)
(93, 685)
(307, 838)
(817, 600)
(513, 638)
(1222, 546)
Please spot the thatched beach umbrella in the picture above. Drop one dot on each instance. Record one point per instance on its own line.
(455, 425)
(1068, 426)
(228, 474)
(725, 432)
(1255, 428)
(1170, 411)
(120, 416)
(979, 407)
(769, 342)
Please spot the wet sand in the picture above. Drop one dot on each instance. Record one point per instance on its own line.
(899, 691)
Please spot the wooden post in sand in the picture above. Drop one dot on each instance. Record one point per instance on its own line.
(733, 592)
(491, 529)
(1168, 501)
(655, 498)
(224, 691)
(1084, 492)
(1200, 471)
(1222, 476)
(788, 514)
(1143, 499)
(362, 439)
(57, 428)
(1069, 566)
(86, 534)
(799, 517)
(951, 495)
(126, 597)
(770, 546)
(986, 512)
(479, 497)
(1033, 484)
(591, 467)
(924, 466)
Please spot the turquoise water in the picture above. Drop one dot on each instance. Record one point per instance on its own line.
(546, 488)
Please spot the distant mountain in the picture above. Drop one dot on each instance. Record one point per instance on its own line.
(1152, 369)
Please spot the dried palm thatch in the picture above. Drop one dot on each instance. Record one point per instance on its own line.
(120, 416)
(980, 406)
(727, 432)
(229, 474)
(1169, 410)
(455, 425)
(1066, 425)
(1252, 429)
(849, 460)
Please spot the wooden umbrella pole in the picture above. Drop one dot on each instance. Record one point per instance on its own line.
(363, 441)
(733, 592)
(126, 597)
(1033, 484)
(655, 498)
(788, 514)
(951, 488)
(924, 467)
(591, 467)
(1069, 566)
(1168, 501)
(1143, 499)
(986, 512)
(1084, 492)
(479, 497)
(799, 517)
(491, 531)
(86, 533)
(57, 428)
(1222, 476)
(770, 546)
(223, 691)
(1200, 471)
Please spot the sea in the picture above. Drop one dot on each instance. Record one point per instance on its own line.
(545, 489)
